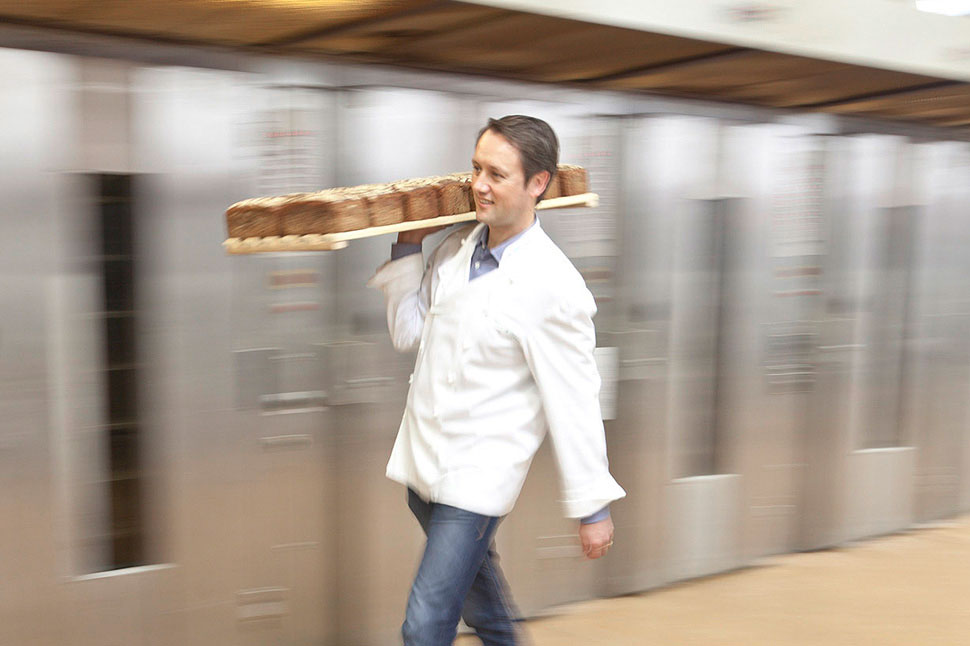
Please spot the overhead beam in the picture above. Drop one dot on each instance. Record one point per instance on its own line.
(680, 63)
(885, 94)
(408, 39)
(331, 30)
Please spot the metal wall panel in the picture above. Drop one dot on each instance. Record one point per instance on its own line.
(869, 259)
(826, 441)
(935, 381)
(247, 483)
(672, 258)
(772, 241)
(640, 330)
(35, 113)
(385, 134)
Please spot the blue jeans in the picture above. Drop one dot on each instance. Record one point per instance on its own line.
(458, 577)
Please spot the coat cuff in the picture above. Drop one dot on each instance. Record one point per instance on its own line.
(582, 502)
(601, 515)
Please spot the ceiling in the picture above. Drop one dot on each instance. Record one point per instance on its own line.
(469, 38)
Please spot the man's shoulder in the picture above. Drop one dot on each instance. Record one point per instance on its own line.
(550, 277)
(550, 265)
(452, 242)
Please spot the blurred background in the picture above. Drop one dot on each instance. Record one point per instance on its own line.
(192, 444)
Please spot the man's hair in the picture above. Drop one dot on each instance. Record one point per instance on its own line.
(534, 139)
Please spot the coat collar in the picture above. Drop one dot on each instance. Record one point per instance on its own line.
(521, 240)
(453, 275)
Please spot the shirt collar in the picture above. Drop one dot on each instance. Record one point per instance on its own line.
(500, 248)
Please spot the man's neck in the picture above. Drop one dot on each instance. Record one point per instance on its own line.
(497, 236)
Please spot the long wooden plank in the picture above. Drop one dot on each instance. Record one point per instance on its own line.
(333, 241)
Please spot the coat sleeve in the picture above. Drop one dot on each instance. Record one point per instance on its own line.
(560, 355)
(407, 284)
(407, 294)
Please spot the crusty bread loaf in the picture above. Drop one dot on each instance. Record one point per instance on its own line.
(385, 206)
(337, 210)
(420, 199)
(453, 194)
(256, 217)
(572, 180)
(465, 181)
(552, 190)
(331, 211)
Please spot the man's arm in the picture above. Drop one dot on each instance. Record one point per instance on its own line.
(406, 288)
(416, 236)
(560, 355)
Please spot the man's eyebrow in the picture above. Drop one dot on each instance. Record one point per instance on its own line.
(491, 167)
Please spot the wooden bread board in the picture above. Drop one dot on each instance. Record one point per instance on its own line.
(334, 241)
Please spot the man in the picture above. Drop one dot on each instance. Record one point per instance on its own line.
(503, 326)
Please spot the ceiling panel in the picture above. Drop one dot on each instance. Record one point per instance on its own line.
(915, 99)
(391, 35)
(43, 10)
(236, 22)
(945, 106)
(161, 19)
(461, 37)
(850, 82)
(500, 44)
(268, 22)
(737, 67)
(774, 79)
(593, 54)
(538, 47)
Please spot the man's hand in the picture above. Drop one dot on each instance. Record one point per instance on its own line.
(596, 538)
(415, 236)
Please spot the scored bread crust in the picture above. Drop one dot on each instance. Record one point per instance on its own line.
(255, 217)
(384, 207)
(552, 191)
(453, 194)
(332, 211)
(339, 210)
(573, 180)
(420, 199)
(465, 180)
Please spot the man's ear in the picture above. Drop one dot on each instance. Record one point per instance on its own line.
(538, 183)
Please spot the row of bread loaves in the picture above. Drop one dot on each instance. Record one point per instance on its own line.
(336, 210)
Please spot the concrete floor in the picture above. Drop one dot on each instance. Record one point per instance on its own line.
(908, 589)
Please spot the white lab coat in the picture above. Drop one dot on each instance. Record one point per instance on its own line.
(500, 359)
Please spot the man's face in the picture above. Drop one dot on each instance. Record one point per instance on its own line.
(503, 199)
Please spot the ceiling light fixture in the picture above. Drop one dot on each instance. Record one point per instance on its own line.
(945, 7)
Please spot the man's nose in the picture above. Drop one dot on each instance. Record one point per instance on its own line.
(479, 186)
